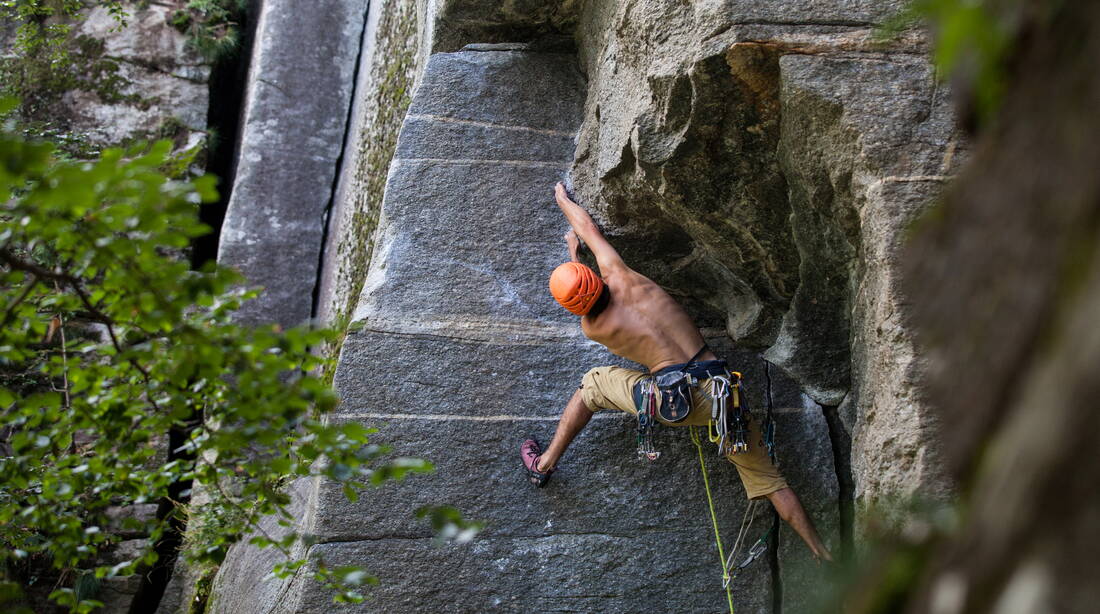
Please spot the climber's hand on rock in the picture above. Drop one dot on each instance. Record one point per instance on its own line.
(573, 242)
(561, 194)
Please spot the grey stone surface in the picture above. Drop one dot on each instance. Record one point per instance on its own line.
(463, 353)
(562, 572)
(244, 583)
(761, 161)
(497, 87)
(806, 459)
(871, 169)
(427, 137)
(296, 111)
(488, 271)
(450, 25)
(601, 486)
(169, 77)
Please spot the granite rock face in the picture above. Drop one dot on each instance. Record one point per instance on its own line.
(761, 161)
(293, 126)
(388, 67)
(168, 76)
(764, 168)
(462, 354)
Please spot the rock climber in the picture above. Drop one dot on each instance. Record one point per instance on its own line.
(634, 318)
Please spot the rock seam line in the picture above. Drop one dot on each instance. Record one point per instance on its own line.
(609, 415)
(473, 161)
(346, 142)
(471, 122)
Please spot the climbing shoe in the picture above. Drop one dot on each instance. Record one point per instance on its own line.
(530, 452)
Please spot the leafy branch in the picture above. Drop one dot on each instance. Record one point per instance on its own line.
(130, 344)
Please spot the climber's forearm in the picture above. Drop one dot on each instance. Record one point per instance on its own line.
(579, 219)
(585, 228)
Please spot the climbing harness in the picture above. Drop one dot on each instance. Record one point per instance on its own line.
(728, 427)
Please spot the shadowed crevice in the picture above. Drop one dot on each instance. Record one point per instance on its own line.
(773, 565)
(349, 141)
(841, 443)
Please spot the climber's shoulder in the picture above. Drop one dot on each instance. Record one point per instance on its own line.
(629, 285)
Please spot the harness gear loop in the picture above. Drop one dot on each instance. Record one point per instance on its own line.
(713, 517)
(728, 427)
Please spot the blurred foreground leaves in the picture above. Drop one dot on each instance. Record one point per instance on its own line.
(109, 342)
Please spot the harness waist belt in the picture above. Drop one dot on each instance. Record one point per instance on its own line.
(698, 370)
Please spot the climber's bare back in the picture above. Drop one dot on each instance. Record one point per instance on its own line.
(643, 323)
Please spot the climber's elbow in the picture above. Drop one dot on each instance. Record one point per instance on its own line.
(587, 230)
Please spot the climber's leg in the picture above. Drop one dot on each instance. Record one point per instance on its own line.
(573, 419)
(791, 511)
(762, 478)
(602, 387)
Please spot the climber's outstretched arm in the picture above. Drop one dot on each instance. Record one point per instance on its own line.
(606, 257)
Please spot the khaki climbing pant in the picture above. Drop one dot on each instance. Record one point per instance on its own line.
(613, 388)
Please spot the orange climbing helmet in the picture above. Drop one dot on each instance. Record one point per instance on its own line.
(576, 287)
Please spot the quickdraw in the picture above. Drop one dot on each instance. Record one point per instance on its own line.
(729, 429)
(767, 427)
(647, 421)
(758, 549)
(731, 568)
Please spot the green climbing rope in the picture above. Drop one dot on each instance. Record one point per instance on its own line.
(713, 517)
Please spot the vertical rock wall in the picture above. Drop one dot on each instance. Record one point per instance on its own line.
(387, 69)
(762, 167)
(300, 85)
(762, 161)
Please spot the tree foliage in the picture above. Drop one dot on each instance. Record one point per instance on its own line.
(50, 56)
(108, 342)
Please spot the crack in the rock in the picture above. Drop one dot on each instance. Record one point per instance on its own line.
(841, 443)
(773, 565)
(773, 545)
(326, 215)
(274, 85)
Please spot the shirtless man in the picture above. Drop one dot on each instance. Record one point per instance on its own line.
(634, 318)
